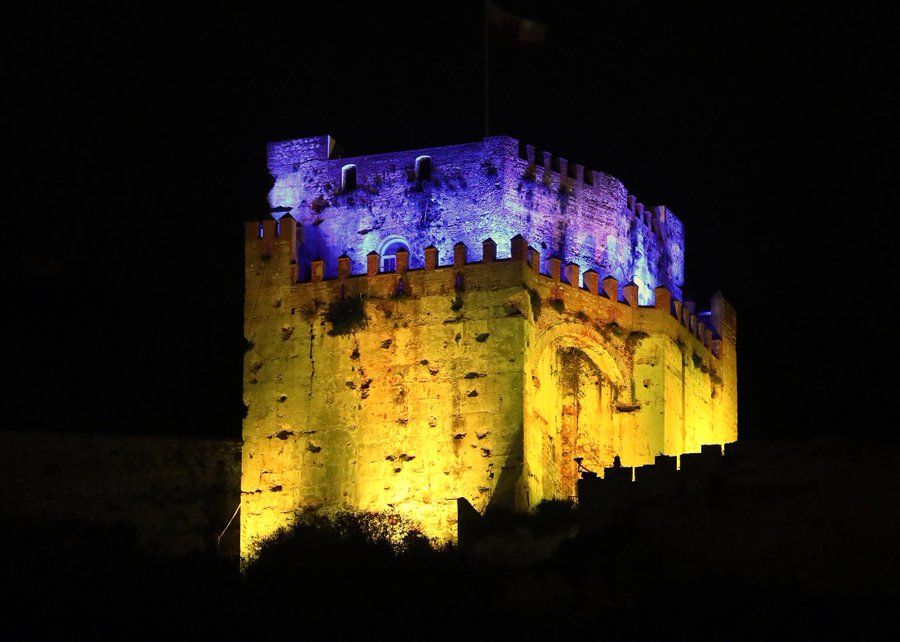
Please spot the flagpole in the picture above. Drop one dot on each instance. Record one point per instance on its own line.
(486, 68)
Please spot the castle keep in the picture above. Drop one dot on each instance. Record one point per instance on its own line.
(470, 322)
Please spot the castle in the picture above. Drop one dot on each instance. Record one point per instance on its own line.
(465, 322)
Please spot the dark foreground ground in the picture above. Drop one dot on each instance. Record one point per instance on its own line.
(615, 594)
(794, 541)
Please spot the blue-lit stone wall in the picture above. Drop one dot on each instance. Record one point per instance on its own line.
(487, 189)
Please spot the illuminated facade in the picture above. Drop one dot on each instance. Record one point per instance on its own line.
(465, 322)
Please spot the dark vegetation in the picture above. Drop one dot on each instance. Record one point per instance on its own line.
(346, 315)
(559, 571)
(319, 204)
(76, 581)
(796, 541)
(489, 168)
(535, 299)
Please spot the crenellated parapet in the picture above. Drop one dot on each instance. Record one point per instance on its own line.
(556, 172)
(691, 476)
(273, 238)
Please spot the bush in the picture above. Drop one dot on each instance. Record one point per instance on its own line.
(347, 315)
(535, 299)
(377, 563)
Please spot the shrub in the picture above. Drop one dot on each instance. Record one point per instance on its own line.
(316, 539)
(535, 303)
(346, 315)
(318, 204)
(635, 338)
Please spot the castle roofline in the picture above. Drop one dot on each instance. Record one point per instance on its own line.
(325, 147)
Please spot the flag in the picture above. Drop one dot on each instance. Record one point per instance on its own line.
(520, 30)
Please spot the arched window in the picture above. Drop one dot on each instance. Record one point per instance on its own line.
(389, 252)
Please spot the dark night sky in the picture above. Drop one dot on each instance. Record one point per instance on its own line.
(135, 140)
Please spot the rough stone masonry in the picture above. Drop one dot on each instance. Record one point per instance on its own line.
(464, 322)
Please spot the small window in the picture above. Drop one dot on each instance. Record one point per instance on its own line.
(389, 251)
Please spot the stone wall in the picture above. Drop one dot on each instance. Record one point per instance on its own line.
(816, 517)
(490, 189)
(401, 414)
(450, 382)
(168, 496)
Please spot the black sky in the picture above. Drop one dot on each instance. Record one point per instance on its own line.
(135, 149)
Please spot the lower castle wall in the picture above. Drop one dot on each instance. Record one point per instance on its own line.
(820, 512)
(810, 516)
(420, 407)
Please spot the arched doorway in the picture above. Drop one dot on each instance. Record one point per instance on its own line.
(571, 420)
(582, 391)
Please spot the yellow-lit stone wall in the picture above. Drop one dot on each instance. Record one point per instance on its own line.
(488, 381)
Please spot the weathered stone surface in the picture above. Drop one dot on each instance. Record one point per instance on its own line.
(475, 191)
(481, 379)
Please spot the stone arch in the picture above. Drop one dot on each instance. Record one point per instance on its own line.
(572, 391)
(388, 251)
(585, 337)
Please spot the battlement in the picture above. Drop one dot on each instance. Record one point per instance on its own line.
(557, 172)
(705, 326)
(663, 467)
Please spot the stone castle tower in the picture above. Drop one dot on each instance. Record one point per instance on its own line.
(463, 322)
